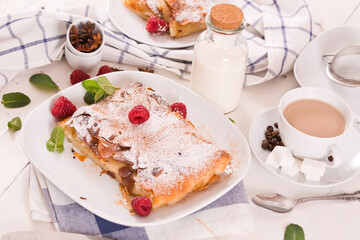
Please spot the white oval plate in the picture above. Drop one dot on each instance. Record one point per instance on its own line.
(309, 68)
(333, 176)
(82, 179)
(135, 27)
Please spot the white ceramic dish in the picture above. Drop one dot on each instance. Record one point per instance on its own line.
(333, 176)
(85, 63)
(135, 27)
(309, 68)
(98, 28)
(82, 179)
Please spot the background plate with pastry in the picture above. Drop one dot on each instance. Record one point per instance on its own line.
(132, 19)
(99, 193)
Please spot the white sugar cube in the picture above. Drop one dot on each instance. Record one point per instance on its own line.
(292, 170)
(312, 178)
(313, 167)
(273, 159)
(280, 156)
(286, 158)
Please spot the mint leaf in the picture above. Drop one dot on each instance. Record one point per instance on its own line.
(106, 85)
(44, 80)
(91, 85)
(99, 95)
(294, 232)
(89, 98)
(15, 124)
(56, 141)
(232, 120)
(97, 90)
(15, 100)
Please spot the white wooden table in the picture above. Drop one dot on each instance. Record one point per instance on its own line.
(320, 220)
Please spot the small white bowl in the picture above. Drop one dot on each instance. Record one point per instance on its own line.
(85, 63)
(98, 28)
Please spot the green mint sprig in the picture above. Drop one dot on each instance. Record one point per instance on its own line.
(15, 100)
(44, 81)
(97, 89)
(56, 141)
(15, 124)
(294, 232)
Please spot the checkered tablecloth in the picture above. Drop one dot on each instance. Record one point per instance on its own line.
(229, 215)
(277, 32)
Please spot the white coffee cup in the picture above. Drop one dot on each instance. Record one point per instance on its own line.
(303, 145)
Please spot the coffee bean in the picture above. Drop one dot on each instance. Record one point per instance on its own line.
(265, 144)
(271, 147)
(272, 138)
(275, 133)
(270, 128)
(276, 125)
(331, 158)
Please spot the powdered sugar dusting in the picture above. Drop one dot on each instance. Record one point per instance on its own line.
(165, 150)
(189, 11)
(152, 5)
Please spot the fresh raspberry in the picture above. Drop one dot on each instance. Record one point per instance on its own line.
(63, 108)
(157, 25)
(141, 205)
(138, 114)
(78, 76)
(179, 108)
(104, 69)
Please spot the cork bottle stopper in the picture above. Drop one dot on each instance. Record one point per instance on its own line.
(226, 16)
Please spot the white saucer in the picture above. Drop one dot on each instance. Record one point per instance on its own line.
(309, 68)
(333, 176)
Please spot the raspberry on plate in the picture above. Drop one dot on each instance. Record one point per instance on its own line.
(179, 108)
(78, 76)
(141, 205)
(138, 114)
(157, 25)
(63, 108)
(104, 69)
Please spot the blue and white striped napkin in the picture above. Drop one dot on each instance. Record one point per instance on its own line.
(228, 216)
(278, 30)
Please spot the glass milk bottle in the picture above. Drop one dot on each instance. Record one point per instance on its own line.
(218, 69)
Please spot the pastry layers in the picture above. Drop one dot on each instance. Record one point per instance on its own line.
(185, 17)
(164, 158)
(141, 8)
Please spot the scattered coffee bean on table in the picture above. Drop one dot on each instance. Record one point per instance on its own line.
(272, 138)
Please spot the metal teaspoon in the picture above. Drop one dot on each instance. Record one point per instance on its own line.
(278, 203)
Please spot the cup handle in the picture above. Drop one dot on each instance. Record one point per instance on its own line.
(337, 157)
